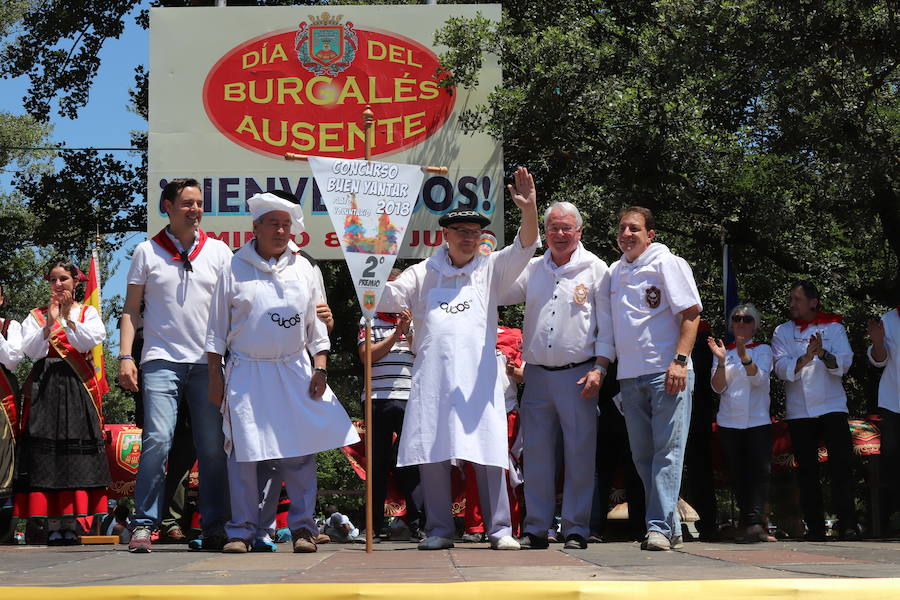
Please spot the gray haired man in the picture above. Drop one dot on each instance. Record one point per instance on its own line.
(567, 347)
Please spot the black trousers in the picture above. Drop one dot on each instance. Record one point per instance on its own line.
(614, 453)
(888, 461)
(387, 419)
(831, 428)
(749, 455)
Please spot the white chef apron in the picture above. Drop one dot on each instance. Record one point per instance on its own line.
(268, 412)
(456, 409)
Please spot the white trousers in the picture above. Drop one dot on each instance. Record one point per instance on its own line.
(299, 476)
(435, 479)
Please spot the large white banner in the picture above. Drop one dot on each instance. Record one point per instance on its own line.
(234, 89)
(370, 204)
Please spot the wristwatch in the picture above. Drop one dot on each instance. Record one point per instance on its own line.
(681, 359)
(322, 371)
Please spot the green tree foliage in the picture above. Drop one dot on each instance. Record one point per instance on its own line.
(771, 127)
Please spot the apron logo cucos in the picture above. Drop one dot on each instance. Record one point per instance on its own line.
(454, 309)
(286, 323)
(304, 89)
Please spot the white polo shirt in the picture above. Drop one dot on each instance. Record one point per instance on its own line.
(567, 315)
(646, 298)
(889, 386)
(815, 390)
(176, 301)
(745, 401)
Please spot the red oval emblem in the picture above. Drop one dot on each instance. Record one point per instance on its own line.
(304, 90)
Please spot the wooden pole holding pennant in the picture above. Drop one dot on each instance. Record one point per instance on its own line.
(370, 510)
(369, 123)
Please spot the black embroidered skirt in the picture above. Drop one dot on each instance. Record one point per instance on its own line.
(62, 446)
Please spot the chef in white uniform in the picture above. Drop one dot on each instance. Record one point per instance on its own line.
(456, 407)
(276, 406)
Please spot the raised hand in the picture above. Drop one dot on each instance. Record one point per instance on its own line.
(814, 346)
(717, 347)
(523, 192)
(875, 329)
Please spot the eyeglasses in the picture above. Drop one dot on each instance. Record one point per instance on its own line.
(742, 319)
(561, 229)
(465, 232)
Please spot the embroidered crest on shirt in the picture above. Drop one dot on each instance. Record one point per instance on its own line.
(581, 294)
(654, 296)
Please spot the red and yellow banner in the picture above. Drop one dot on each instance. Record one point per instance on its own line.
(92, 298)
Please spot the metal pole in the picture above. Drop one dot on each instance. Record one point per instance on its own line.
(368, 436)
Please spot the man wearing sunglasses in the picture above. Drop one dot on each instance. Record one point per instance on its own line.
(656, 312)
(456, 408)
(568, 344)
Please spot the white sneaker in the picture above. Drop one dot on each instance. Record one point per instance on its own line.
(435, 542)
(656, 541)
(507, 542)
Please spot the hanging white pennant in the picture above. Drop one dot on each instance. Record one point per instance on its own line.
(370, 204)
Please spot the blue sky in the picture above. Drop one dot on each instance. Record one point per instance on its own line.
(104, 122)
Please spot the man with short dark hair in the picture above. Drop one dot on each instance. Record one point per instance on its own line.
(174, 274)
(656, 312)
(457, 410)
(812, 354)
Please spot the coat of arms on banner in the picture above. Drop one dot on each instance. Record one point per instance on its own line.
(128, 449)
(369, 300)
(324, 45)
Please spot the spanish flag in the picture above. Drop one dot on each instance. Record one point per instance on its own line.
(92, 297)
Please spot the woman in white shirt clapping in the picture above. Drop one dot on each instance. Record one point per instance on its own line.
(741, 378)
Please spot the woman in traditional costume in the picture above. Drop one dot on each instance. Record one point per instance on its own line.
(10, 355)
(63, 470)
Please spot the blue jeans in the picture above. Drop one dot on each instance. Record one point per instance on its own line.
(165, 384)
(658, 426)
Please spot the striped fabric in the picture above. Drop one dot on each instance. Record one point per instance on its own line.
(392, 375)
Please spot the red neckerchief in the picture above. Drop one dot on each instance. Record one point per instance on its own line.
(821, 318)
(166, 244)
(898, 309)
(509, 342)
(391, 318)
(732, 345)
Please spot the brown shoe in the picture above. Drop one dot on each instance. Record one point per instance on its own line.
(173, 536)
(236, 546)
(304, 541)
(322, 539)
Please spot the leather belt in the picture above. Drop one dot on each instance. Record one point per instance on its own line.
(568, 366)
